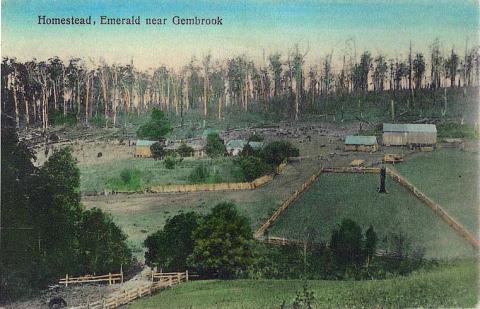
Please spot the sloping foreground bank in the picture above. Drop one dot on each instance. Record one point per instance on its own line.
(452, 285)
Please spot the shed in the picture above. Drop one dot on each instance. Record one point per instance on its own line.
(361, 143)
(409, 134)
(142, 148)
(198, 147)
(235, 146)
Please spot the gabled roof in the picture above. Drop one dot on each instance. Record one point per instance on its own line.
(409, 127)
(142, 142)
(360, 140)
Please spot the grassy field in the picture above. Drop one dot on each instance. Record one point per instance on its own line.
(147, 172)
(453, 285)
(336, 196)
(450, 178)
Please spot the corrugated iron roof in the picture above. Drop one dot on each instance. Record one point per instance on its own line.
(142, 142)
(409, 127)
(360, 140)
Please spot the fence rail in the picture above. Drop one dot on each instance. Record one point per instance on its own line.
(110, 278)
(286, 203)
(159, 281)
(457, 227)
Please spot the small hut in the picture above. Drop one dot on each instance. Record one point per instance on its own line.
(142, 148)
(361, 143)
(409, 134)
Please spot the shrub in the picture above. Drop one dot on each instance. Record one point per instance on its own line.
(156, 128)
(215, 146)
(222, 243)
(346, 243)
(255, 138)
(199, 174)
(456, 130)
(185, 151)
(157, 150)
(278, 151)
(170, 247)
(253, 167)
(99, 120)
(170, 163)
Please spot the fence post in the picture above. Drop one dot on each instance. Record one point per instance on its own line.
(66, 280)
(109, 278)
(121, 271)
(186, 275)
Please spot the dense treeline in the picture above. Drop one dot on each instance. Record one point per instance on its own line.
(45, 231)
(53, 91)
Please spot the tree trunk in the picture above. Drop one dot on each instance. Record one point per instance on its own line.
(382, 180)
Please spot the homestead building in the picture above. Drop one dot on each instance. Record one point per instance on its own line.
(235, 146)
(409, 134)
(361, 143)
(142, 148)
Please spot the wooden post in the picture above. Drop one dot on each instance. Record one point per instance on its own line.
(66, 280)
(186, 275)
(121, 271)
(109, 278)
(382, 180)
(152, 275)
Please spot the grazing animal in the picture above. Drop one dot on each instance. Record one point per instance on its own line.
(99, 155)
(57, 302)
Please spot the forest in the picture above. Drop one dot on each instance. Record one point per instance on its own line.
(41, 93)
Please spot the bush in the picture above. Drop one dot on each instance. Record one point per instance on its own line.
(170, 163)
(157, 150)
(456, 130)
(169, 248)
(255, 138)
(156, 128)
(185, 151)
(99, 120)
(215, 146)
(199, 174)
(222, 243)
(253, 167)
(129, 179)
(277, 152)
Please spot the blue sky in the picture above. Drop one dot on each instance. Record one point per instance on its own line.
(251, 27)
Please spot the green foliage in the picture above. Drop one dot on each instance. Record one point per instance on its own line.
(129, 179)
(170, 163)
(169, 248)
(200, 174)
(456, 130)
(304, 298)
(215, 146)
(278, 151)
(256, 138)
(370, 242)
(99, 121)
(102, 243)
(157, 150)
(70, 119)
(222, 243)
(156, 128)
(185, 151)
(253, 167)
(346, 243)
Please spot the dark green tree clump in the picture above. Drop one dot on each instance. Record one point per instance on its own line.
(253, 167)
(38, 205)
(156, 128)
(169, 248)
(222, 243)
(185, 151)
(157, 150)
(277, 152)
(215, 146)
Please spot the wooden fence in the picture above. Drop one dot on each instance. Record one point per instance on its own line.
(360, 170)
(286, 203)
(110, 278)
(457, 227)
(159, 281)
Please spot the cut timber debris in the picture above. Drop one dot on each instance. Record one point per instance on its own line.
(357, 163)
(393, 158)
